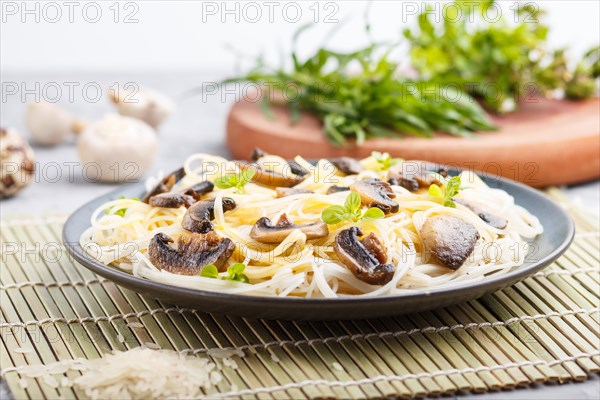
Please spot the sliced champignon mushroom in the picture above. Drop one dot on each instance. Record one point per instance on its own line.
(184, 197)
(489, 218)
(376, 193)
(284, 192)
(165, 184)
(270, 178)
(172, 200)
(199, 216)
(296, 168)
(450, 239)
(336, 189)
(413, 175)
(193, 252)
(365, 258)
(265, 232)
(347, 165)
(197, 190)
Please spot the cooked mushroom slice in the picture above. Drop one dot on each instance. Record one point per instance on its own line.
(270, 178)
(298, 169)
(365, 258)
(284, 192)
(347, 165)
(197, 218)
(450, 239)
(491, 219)
(172, 200)
(376, 193)
(193, 252)
(415, 174)
(184, 197)
(166, 184)
(257, 154)
(336, 189)
(197, 190)
(265, 232)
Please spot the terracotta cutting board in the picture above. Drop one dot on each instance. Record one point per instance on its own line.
(545, 143)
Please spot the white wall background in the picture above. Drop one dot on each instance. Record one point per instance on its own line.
(191, 35)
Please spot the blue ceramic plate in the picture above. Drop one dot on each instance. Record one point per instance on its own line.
(558, 234)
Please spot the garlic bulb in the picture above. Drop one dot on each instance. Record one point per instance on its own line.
(17, 166)
(117, 149)
(142, 103)
(49, 124)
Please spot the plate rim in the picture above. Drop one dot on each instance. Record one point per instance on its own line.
(117, 276)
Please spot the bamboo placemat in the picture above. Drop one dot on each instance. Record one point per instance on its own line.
(544, 329)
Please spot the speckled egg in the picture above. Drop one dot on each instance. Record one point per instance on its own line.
(17, 166)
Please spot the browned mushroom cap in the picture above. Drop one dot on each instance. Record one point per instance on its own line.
(296, 168)
(197, 190)
(336, 189)
(489, 218)
(165, 185)
(184, 197)
(270, 178)
(171, 200)
(365, 258)
(284, 192)
(376, 193)
(415, 174)
(265, 232)
(347, 165)
(193, 252)
(450, 239)
(199, 216)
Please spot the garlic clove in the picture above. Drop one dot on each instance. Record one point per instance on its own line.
(117, 149)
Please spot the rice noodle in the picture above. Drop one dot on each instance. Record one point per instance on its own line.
(121, 230)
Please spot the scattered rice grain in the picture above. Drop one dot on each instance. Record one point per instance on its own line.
(22, 350)
(152, 346)
(66, 382)
(120, 338)
(23, 383)
(274, 358)
(143, 373)
(50, 381)
(224, 353)
(337, 366)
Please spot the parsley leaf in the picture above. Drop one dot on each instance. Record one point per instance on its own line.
(120, 212)
(210, 271)
(235, 180)
(234, 273)
(350, 211)
(384, 160)
(447, 192)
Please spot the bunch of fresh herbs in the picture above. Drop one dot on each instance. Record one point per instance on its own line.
(361, 95)
(497, 61)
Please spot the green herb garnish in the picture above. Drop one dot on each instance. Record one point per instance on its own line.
(235, 180)
(384, 160)
(120, 212)
(449, 189)
(234, 273)
(210, 271)
(350, 211)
